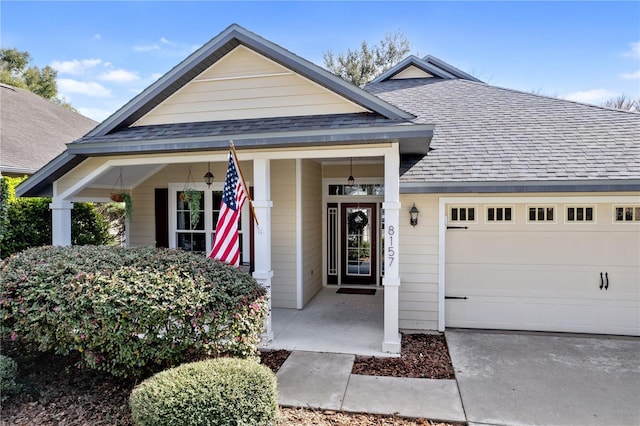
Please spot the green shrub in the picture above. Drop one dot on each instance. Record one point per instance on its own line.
(130, 311)
(26, 222)
(223, 391)
(8, 373)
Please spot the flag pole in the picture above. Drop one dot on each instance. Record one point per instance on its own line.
(244, 183)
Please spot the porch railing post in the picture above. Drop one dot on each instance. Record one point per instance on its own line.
(61, 222)
(262, 233)
(391, 280)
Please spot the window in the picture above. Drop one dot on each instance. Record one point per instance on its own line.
(541, 214)
(626, 214)
(198, 237)
(580, 214)
(462, 214)
(499, 214)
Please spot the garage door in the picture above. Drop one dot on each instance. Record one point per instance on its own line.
(569, 268)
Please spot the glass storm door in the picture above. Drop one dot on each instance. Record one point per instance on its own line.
(359, 243)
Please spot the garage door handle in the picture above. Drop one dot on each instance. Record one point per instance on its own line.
(456, 297)
(601, 281)
(606, 274)
(457, 227)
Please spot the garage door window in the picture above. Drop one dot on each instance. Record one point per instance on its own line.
(462, 214)
(541, 214)
(499, 214)
(627, 214)
(581, 214)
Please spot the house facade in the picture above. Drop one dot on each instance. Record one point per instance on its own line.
(527, 208)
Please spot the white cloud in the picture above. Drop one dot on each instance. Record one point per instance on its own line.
(97, 37)
(88, 88)
(146, 48)
(634, 50)
(119, 76)
(76, 66)
(156, 75)
(631, 75)
(594, 96)
(165, 41)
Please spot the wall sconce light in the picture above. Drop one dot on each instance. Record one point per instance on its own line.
(350, 179)
(208, 177)
(413, 213)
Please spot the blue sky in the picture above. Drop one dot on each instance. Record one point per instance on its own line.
(107, 52)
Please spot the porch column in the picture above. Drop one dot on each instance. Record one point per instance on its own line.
(61, 222)
(391, 280)
(262, 236)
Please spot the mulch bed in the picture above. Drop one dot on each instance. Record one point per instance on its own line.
(423, 356)
(56, 393)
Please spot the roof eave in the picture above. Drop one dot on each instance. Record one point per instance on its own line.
(407, 134)
(40, 184)
(532, 186)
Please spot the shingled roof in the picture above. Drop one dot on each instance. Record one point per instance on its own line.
(487, 138)
(33, 130)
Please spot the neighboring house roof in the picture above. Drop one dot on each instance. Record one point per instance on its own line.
(33, 130)
(490, 139)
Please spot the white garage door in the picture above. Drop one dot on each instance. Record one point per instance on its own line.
(578, 271)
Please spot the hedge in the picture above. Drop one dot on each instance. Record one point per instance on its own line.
(223, 391)
(8, 374)
(130, 311)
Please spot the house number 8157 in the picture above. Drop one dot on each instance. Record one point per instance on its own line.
(391, 251)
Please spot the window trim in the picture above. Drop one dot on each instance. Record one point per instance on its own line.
(541, 222)
(566, 208)
(499, 222)
(209, 226)
(624, 222)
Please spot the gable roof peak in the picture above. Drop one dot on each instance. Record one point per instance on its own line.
(214, 50)
(430, 65)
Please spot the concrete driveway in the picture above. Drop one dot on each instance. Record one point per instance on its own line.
(545, 379)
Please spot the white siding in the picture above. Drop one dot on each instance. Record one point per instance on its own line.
(243, 85)
(418, 298)
(283, 233)
(311, 229)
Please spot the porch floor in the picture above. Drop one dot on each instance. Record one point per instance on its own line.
(332, 322)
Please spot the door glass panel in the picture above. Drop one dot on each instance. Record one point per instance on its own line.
(358, 241)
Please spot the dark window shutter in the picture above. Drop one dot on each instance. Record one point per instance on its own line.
(162, 217)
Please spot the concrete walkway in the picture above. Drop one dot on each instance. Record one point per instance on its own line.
(324, 380)
(501, 379)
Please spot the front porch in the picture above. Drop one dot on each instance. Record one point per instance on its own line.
(332, 322)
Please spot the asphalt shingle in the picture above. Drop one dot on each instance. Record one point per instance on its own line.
(485, 133)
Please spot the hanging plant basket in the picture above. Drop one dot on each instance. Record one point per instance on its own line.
(192, 197)
(118, 195)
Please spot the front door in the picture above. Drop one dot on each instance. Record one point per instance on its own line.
(358, 259)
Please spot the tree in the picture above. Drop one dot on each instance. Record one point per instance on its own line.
(624, 103)
(362, 65)
(42, 82)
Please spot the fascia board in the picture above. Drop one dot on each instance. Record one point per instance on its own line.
(417, 62)
(617, 185)
(270, 140)
(39, 184)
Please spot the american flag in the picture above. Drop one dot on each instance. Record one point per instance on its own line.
(226, 246)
